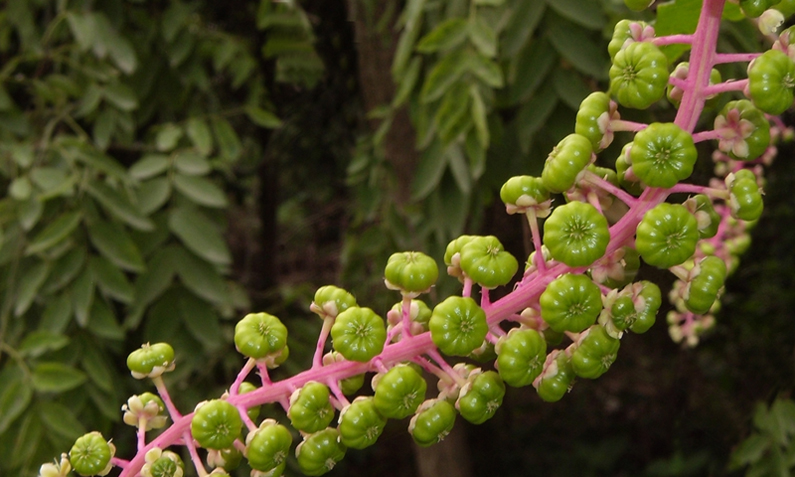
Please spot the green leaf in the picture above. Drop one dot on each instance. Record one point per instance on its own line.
(15, 394)
(83, 296)
(29, 212)
(443, 75)
(102, 322)
(199, 234)
(60, 420)
(533, 114)
(479, 117)
(485, 69)
(476, 154)
(192, 164)
(523, 22)
(446, 35)
(455, 105)
(83, 29)
(405, 45)
(108, 42)
(677, 17)
(29, 284)
(115, 244)
(20, 188)
(23, 154)
(407, 84)
(429, 172)
(52, 181)
(228, 141)
(110, 279)
(200, 190)
(55, 377)
(167, 137)
(151, 284)
(489, 3)
(153, 194)
(482, 35)
(586, 13)
(750, 450)
(201, 321)
(98, 161)
(57, 313)
(578, 48)
(459, 168)
(260, 117)
(570, 88)
(200, 135)
(65, 269)
(103, 129)
(149, 166)
(200, 277)
(38, 342)
(58, 230)
(121, 96)
(119, 206)
(89, 101)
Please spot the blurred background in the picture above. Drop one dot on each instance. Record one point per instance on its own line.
(169, 166)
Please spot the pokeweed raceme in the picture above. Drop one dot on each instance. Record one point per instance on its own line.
(567, 313)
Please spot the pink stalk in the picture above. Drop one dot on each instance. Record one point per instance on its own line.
(702, 58)
(672, 40)
(725, 87)
(535, 232)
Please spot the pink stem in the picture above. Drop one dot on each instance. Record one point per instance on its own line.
(194, 456)
(250, 364)
(721, 58)
(406, 316)
(702, 58)
(535, 232)
(161, 389)
(623, 125)
(672, 39)
(607, 186)
(726, 86)
(328, 322)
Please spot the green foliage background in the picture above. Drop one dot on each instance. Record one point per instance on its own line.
(171, 165)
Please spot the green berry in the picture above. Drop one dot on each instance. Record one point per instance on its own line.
(358, 334)
(594, 352)
(310, 407)
(320, 452)
(216, 424)
(268, 446)
(746, 130)
(745, 199)
(330, 301)
(557, 377)
(480, 398)
(411, 272)
(565, 163)
(520, 356)
(639, 75)
(576, 234)
(458, 326)
(595, 112)
(432, 423)
(91, 454)
(399, 392)
(151, 360)
(662, 155)
(485, 261)
(571, 303)
(520, 193)
(771, 79)
(360, 423)
(259, 335)
(702, 291)
(667, 235)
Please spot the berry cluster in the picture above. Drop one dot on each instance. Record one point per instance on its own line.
(566, 315)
